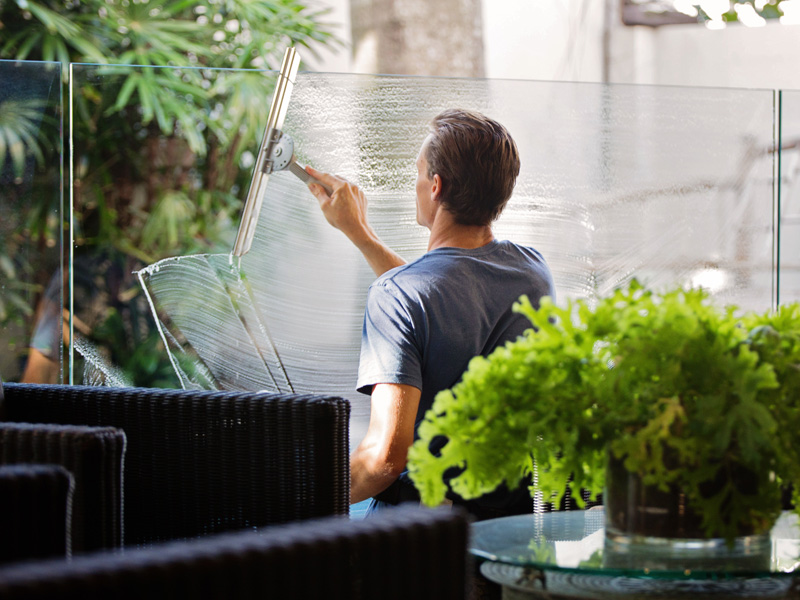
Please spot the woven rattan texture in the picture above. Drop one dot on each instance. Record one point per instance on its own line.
(399, 554)
(94, 457)
(201, 462)
(35, 505)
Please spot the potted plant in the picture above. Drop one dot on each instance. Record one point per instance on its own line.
(667, 389)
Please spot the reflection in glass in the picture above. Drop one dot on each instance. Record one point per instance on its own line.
(32, 325)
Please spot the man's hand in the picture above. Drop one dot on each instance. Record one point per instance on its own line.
(346, 209)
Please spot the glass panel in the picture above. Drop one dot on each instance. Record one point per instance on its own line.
(789, 183)
(160, 168)
(664, 184)
(31, 282)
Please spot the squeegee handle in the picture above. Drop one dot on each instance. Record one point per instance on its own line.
(306, 178)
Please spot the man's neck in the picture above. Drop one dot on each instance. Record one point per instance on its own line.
(445, 233)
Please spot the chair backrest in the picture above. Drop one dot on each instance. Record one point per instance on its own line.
(94, 457)
(201, 462)
(401, 553)
(35, 506)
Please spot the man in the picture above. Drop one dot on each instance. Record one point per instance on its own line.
(425, 320)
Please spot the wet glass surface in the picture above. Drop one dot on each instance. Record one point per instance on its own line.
(669, 185)
(159, 170)
(616, 182)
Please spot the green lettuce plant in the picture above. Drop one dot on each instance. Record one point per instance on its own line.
(685, 393)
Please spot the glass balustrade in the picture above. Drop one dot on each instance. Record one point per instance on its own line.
(32, 282)
(664, 184)
(789, 194)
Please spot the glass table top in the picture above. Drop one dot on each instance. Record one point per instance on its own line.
(575, 541)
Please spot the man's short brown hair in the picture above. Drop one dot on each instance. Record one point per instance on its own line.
(477, 161)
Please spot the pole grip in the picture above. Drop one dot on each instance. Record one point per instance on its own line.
(301, 173)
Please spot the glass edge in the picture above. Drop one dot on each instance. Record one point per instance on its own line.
(673, 575)
(69, 198)
(62, 212)
(454, 78)
(777, 187)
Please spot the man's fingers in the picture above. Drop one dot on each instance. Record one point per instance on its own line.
(327, 178)
(316, 189)
(313, 172)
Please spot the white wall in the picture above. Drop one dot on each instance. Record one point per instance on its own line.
(559, 40)
(523, 39)
(737, 56)
(336, 58)
(562, 40)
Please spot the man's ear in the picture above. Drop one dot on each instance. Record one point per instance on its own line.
(436, 189)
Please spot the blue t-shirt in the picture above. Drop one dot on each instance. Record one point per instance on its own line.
(425, 320)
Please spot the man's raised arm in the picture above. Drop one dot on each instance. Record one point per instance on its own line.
(346, 210)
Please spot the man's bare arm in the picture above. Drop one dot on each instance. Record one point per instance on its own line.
(381, 456)
(346, 210)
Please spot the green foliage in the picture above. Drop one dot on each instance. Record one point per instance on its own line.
(19, 133)
(767, 10)
(211, 33)
(158, 152)
(687, 394)
(28, 126)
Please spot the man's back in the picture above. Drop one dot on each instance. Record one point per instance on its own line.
(427, 319)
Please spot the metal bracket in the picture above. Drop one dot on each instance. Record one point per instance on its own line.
(279, 153)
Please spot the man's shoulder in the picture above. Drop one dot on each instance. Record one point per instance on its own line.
(422, 264)
(439, 263)
(509, 246)
(409, 274)
(450, 266)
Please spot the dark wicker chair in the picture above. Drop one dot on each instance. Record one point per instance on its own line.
(94, 457)
(201, 462)
(35, 507)
(400, 554)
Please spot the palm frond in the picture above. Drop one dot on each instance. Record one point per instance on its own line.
(68, 31)
(19, 133)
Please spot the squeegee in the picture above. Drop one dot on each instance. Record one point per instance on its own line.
(275, 154)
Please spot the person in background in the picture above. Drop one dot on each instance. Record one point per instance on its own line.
(50, 333)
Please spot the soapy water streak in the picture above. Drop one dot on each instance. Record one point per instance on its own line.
(97, 370)
(616, 183)
(229, 302)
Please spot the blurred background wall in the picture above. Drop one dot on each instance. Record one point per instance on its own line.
(615, 41)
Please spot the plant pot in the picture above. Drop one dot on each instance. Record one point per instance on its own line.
(650, 528)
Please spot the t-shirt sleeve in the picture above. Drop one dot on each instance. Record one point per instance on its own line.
(390, 351)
